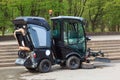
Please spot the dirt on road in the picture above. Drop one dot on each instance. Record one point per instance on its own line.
(102, 71)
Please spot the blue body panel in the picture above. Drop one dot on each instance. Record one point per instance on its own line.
(38, 30)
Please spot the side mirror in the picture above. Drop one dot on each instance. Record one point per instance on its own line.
(88, 39)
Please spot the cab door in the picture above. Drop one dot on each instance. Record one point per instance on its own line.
(57, 38)
(74, 36)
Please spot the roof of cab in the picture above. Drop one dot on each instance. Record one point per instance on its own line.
(67, 17)
(26, 18)
(32, 20)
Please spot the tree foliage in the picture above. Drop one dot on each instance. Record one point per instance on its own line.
(102, 15)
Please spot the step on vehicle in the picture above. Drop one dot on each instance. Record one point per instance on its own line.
(40, 47)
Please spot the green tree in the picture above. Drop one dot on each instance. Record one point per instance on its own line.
(5, 15)
(112, 15)
(76, 7)
(94, 11)
(102, 15)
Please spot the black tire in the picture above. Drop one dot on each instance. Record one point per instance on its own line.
(73, 62)
(31, 69)
(22, 54)
(44, 66)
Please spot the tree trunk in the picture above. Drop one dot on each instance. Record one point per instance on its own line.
(117, 28)
(102, 28)
(113, 29)
(3, 31)
(93, 26)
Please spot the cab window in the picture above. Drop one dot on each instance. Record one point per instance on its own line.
(56, 29)
(73, 31)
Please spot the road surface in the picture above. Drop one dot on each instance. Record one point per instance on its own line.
(103, 71)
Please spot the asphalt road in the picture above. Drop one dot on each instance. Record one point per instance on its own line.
(102, 71)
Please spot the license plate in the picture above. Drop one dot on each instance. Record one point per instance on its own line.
(20, 61)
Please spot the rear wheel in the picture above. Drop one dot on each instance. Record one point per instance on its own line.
(73, 62)
(22, 54)
(44, 66)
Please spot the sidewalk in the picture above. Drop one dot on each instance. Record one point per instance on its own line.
(10, 42)
(104, 37)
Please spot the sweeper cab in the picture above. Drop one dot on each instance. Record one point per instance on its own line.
(41, 46)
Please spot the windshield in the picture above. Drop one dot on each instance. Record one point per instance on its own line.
(73, 32)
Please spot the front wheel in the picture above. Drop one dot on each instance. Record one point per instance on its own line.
(44, 66)
(73, 62)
